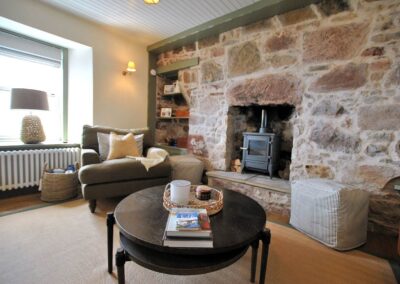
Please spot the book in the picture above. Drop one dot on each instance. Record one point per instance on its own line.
(187, 221)
(187, 242)
(203, 227)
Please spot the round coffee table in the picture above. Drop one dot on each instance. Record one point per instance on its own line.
(141, 219)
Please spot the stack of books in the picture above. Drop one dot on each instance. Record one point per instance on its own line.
(188, 227)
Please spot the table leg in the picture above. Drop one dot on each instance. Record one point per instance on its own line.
(110, 238)
(254, 250)
(266, 239)
(120, 259)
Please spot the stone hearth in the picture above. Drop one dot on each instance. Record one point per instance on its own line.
(338, 66)
(272, 194)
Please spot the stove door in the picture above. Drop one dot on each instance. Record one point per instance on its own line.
(258, 148)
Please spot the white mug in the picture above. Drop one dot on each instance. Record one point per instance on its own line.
(180, 191)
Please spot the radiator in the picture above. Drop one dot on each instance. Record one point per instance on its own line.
(24, 168)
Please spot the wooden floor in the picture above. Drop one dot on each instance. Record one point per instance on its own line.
(15, 204)
(11, 205)
(377, 244)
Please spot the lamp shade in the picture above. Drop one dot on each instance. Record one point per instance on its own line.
(131, 67)
(151, 1)
(29, 99)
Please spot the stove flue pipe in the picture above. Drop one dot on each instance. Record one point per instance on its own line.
(264, 117)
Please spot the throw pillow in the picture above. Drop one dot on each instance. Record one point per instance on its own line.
(139, 142)
(104, 144)
(120, 147)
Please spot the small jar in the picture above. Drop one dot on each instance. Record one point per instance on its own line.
(203, 192)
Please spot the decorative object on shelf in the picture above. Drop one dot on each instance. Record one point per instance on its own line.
(172, 142)
(130, 69)
(181, 142)
(182, 113)
(172, 89)
(169, 89)
(177, 88)
(213, 205)
(166, 112)
(151, 2)
(32, 130)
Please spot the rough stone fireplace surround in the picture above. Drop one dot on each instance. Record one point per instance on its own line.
(337, 64)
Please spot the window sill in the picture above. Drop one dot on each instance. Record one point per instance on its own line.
(46, 145)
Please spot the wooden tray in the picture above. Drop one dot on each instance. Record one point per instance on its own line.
(213, 206)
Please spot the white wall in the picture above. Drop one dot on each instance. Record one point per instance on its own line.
(118, 101)
(80, 83)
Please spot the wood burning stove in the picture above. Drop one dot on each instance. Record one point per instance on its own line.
(261, 150)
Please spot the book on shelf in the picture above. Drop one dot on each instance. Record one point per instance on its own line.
(188, 222)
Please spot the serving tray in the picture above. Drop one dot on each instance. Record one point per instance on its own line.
(213, 205)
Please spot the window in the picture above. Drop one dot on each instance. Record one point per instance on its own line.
(25, 63)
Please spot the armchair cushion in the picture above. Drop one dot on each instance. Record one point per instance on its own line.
(122, 170)
(104, 144)
(89, 136)
(122, 146)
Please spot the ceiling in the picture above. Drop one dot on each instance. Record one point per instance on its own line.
(150, 23)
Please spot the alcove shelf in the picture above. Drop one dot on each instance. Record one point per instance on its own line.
(170, 129)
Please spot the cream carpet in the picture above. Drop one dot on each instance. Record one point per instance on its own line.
(65, 243)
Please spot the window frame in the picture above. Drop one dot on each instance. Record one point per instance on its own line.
(64, 70)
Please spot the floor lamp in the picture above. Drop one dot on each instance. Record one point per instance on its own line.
(32, 129)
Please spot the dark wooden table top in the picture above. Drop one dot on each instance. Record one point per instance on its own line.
(142, 218)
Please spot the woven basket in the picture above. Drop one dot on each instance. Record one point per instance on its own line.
(57, 187)
(213, 206)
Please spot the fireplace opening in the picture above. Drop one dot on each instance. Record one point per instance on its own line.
(279, 121)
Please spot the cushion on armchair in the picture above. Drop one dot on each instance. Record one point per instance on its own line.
(121, 170)
(122, 146)
(90, 141)
(104, 144)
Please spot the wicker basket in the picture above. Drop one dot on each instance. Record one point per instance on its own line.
(58, 187)
(213, 206)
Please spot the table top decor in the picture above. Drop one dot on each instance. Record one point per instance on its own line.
(213, 205)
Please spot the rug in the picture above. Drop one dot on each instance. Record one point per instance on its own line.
(65, 243)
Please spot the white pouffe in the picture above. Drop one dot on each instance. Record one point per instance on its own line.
(330, 212)
(187, 167)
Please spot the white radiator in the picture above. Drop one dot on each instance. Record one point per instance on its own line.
(24, 168)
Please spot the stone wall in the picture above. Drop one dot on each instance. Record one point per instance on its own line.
(338, 63)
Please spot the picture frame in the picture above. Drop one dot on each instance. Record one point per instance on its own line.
(166, 112)
(169, 89)
(172, 89)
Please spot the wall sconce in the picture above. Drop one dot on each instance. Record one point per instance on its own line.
(130, 69)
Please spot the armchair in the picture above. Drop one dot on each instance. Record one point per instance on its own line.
(119, 177)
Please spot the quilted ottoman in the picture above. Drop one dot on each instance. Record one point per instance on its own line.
(330, 212)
